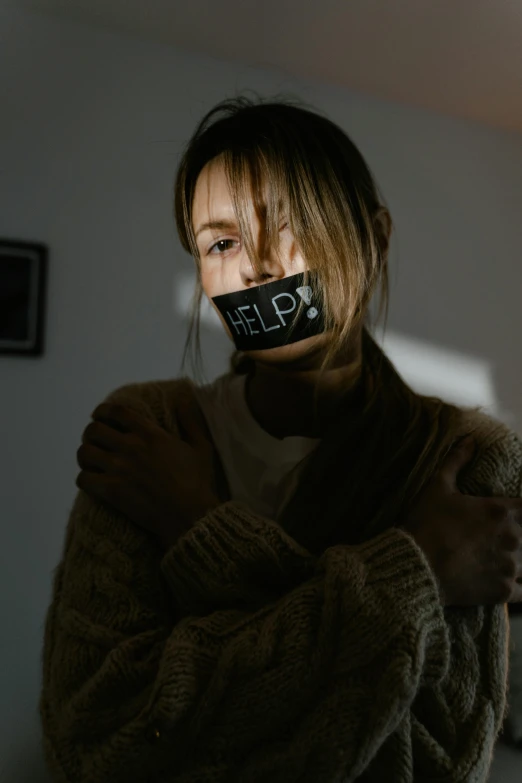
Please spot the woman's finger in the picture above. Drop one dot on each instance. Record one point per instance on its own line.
(111, 410)
(459, 456)
(104, 436)
(91, 458)
(97, 485)
(122, 418)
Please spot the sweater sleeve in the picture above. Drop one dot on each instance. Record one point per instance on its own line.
(302, 684)
(451, 729)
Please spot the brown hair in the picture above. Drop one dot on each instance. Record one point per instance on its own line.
(319, 177)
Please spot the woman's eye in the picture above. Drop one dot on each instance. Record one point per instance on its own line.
(222, 242)
(220, 245)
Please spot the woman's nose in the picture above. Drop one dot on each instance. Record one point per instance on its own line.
(270, 270)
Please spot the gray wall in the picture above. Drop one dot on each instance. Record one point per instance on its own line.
(92, 125)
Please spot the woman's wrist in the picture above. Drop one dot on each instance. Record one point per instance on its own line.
(175, 529)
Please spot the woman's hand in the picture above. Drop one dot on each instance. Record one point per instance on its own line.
(161, 482)
(474, 545)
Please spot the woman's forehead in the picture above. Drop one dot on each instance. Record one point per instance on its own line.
(212, 182)
(213, 192)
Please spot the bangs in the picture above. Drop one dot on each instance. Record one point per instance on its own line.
(260, 184)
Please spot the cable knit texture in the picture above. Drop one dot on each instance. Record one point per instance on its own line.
(242, 656)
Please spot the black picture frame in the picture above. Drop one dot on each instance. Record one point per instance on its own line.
(23, 288)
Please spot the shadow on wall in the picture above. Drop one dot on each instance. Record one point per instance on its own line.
(25, 763)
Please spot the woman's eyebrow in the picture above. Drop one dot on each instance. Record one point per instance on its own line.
(218, 224)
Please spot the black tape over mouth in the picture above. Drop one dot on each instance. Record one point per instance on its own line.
(261, 317)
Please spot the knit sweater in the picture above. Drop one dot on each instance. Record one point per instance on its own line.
(240, 655)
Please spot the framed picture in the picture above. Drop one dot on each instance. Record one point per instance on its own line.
(23, 282)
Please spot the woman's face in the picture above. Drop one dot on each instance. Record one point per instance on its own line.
(226, 267)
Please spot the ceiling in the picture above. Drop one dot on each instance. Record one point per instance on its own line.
(459, 57)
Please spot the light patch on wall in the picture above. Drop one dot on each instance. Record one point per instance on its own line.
(453, 376)
(183, 294)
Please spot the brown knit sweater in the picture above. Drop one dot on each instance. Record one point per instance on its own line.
(240, 655)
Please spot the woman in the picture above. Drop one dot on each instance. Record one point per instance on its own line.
(275, 577)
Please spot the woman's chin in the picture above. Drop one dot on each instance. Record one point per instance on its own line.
(303, 355)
